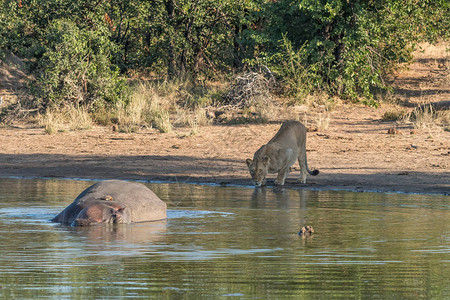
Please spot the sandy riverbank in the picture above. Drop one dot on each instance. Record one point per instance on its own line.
(355, 152)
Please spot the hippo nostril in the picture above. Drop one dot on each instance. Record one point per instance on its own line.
(116, 218)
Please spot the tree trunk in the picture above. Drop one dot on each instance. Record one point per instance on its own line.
(171, 67)
(237, 60)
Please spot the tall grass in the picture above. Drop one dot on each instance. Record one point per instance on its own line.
(164, 105)
(68, 118)
(145, 108)
(425, 117)
(421, 117)
(161, 105)
(193, 118)
(323, 121)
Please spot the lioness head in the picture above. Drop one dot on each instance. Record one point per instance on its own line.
(258, 169)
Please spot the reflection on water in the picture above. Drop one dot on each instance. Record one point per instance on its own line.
(227, 242)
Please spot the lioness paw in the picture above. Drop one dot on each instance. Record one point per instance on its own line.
(279, 182)
(300, 180)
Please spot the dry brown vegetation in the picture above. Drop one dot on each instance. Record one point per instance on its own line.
(404, 145)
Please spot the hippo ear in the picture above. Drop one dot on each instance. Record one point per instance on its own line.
(117, 207)
(121, 209)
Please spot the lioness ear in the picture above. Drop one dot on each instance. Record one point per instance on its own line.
(265, 160)
(249, 162)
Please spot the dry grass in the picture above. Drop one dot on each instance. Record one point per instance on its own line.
(67, 119)
(323, 104)
(421, 117)
(425, 117)
(323, 121)
(265, 110)
(194, 118)
(395, 115)
(146, 108)
(317, 121)
(161, 106)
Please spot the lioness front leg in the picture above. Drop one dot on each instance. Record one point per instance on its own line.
(282, 175)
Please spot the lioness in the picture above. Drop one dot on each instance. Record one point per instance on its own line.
(280, 153)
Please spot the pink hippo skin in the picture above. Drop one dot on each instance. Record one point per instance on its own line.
(113, 201)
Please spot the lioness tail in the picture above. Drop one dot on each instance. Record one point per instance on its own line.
(314, 172)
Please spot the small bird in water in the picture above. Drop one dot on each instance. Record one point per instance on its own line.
(306, 230)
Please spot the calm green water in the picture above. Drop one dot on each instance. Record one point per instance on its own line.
(227, 242)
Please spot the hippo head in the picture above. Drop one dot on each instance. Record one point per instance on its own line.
(100, 213)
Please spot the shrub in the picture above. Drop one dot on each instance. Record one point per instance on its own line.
(394, 116)
(297, 76)
(75, 68)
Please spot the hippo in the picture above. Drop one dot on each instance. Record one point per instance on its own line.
(113, 201)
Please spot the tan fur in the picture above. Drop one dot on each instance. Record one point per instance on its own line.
(280, 153)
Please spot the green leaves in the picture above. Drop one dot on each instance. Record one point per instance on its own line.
(75, 68)
(78, 49)
(351, 45)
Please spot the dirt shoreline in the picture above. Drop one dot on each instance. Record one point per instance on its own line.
(355, 153)
(291, 184)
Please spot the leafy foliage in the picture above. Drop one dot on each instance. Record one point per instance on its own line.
(348, 46)
(78, 51)
(75, 67)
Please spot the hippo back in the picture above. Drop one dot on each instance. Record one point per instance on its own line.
(140, 202)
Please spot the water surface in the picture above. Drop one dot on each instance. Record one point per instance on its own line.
(222, 242)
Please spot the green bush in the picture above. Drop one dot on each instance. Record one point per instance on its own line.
(76, 49)
(298, 78)
(347, 47)
(76, 69)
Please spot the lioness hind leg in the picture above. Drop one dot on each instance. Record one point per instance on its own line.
(303, 171)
